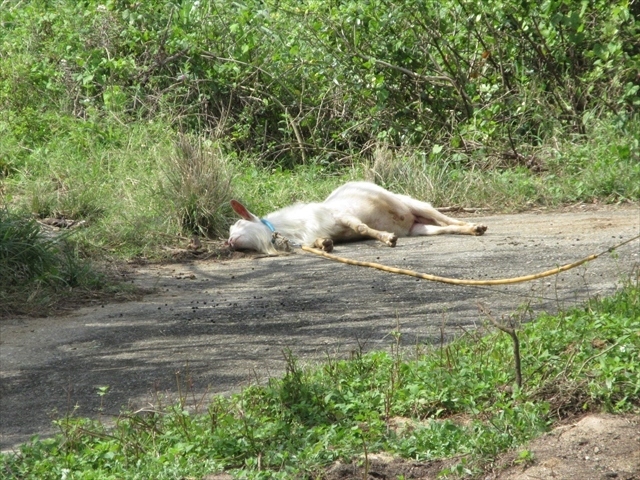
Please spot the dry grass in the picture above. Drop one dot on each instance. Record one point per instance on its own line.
(198, 187)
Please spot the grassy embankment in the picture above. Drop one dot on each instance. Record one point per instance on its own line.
(456, 402)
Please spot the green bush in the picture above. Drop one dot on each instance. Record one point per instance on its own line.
(291, 81)
(36, 268)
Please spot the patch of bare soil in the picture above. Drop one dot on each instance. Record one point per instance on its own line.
(597, 447)
(380, 466)
(214, 326)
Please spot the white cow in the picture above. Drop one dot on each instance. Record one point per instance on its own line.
(353, 211)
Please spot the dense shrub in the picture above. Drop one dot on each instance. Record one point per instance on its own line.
(298, 80)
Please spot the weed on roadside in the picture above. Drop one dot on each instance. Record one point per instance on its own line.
(39, 270)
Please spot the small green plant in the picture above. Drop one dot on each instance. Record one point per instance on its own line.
(525, 457)
(102, 392)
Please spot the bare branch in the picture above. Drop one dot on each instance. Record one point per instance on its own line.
(435, 80)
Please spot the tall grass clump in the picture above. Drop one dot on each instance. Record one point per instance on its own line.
(37, 268)
(198, 187)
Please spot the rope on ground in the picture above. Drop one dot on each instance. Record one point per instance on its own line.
(456, 281)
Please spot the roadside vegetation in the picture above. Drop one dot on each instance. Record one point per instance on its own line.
(133, 124)
(499, 104)
(457, 402)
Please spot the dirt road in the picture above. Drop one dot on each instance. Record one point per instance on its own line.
(223, 325)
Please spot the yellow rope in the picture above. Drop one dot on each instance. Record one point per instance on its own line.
(455, 281)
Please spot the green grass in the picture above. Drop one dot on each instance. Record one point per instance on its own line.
(602, 167)
(136, 197)
(452, 401)
(113, 185)
(38, 270)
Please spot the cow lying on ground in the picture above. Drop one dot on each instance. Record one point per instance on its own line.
(353, 211)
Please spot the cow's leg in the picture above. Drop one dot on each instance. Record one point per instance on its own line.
(425, 213)
(365, 230)
(467, 229)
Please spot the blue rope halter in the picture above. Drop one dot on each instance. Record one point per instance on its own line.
(268, 224)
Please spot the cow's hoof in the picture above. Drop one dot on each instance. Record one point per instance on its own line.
(324, 244)
(392, 240)
(479, 229)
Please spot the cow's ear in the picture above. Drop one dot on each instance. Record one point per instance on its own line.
(243, 212)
